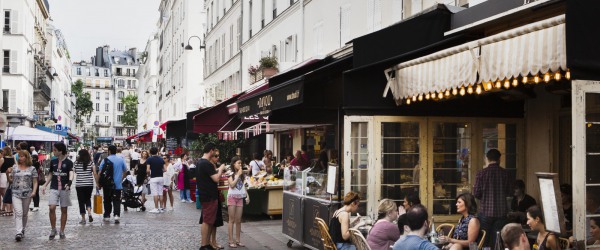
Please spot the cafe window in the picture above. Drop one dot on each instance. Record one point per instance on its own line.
(359, 170)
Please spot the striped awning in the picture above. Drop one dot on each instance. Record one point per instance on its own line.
(533, 49)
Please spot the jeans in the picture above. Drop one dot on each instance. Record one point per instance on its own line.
(184, 194)
(345, 246)
(112, 199)
(84, 197)
(20, 209)
(491, 225)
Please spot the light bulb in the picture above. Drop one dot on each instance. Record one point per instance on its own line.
(506, 84)
(489, 86)
(470, 89)
(536, 79)
(454, 91)
(408, 101)
(462, 91)
(547, 77)
(557, 76)
(525, 79)
(414, 98)
(420, 97)
(478, 89)
(447, 93)
(515, 82)
(498, 84)
(568, 75)
(427, 96)
(441, 95)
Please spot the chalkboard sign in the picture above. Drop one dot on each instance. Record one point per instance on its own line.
(292, 216)
(171, 143)
(551, 202)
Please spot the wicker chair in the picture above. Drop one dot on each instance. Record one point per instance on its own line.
(447, 229)
(564, 243)
(328, 243)
(482, 240)
(359, 240)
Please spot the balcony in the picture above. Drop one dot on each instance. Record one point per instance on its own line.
(42, 91)
(102, 124)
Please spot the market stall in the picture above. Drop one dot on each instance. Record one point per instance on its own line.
(266, 195)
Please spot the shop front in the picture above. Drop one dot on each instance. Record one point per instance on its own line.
(512, 89)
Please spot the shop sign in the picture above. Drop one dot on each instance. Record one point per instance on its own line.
(104, 138)
(232, 108)
(255, 118)
(171, 143)
(41, 112)
(292, 216)
(278, 98)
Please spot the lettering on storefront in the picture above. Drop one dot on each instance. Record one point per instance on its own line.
(278, 98)
(265, 101)
(244, 109)
(293, 95)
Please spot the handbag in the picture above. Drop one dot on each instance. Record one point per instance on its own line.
(97, 203)
(41, 177)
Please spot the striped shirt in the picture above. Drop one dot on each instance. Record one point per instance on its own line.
(84, 178)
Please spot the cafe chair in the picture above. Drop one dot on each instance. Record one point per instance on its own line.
(482, 240)
(359, 240)
(328, 243)
(564, 243)
(446, 228)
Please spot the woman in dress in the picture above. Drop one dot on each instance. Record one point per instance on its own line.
(384, 233)
(168, 173)
(141, 175)
(468, 227)
(84, 169)
(235, 201)
(340, 224)
(545, 239)
(23, 178)
(6, 162)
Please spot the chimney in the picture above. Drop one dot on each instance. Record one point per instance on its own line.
(98, 61)
(133, 54)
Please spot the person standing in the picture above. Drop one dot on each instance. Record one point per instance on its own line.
(168, 173)
(183, 182)
(24, 180)
(135, 158)
(154, 168)
(40, 173)
(127, 156)
(235, 201)
(256, 165)
(6, 162)
(84, 174)
(141, 175)
(59, 178)
(491, 189)
(112, 195)
(219, 221)
(207, 178)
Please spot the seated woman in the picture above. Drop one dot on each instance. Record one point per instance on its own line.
(384, 233)
(595, 231)
(339, 225)
(545, 239)
(411, 200)
(468, 227)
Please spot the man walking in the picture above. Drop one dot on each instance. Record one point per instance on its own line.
(419, 227)
(207, 178)
(59, 178)
(112, 193)
(154, 168)
(491, 188)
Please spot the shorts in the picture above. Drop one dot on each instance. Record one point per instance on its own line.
(167, 188)
(3, 180)
(61, 198)
(233, 201)
(209, 212)
(156, 186)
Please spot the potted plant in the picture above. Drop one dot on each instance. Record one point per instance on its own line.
(268, 65)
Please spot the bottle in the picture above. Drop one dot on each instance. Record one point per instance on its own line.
(433, 237)
(498, 245)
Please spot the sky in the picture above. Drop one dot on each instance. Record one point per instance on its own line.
(88, 24)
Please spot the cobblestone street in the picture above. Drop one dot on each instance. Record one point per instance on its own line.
(178, 229)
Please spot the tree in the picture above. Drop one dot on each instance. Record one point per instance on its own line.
(83, 103)
(130, 113)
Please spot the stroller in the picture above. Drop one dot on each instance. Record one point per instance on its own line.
(131, 196)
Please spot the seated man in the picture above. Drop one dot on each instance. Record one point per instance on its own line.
(514, 237)
(419, 226)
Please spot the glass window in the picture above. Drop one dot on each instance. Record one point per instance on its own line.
(107, 96)
(97, 118)
(7, 21)
(78, 71)
(106, 107)
(503, 137)
(120, 106)
(97, 106)
(592, 176)
(400, 159)
(6, 67)
(359, 163)
(97, 95)
(106, 117)
(451, 164)
(119, 118)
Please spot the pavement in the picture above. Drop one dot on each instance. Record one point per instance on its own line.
(178, 229)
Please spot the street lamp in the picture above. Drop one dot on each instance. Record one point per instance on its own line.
(189, 47)
(50, 71)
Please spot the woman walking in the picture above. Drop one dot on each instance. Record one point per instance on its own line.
(235, 201)
(141, 175)
(23, 179)
(84, 169)
(168, 173)
(6, 162)
(183, 180)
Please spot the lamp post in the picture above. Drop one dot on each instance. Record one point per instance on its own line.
(189, 47)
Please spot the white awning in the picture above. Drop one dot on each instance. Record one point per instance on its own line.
(532, 49)
(22, 133)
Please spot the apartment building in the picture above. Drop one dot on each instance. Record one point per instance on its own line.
(148, 85)
(124, 66)
(62, 103)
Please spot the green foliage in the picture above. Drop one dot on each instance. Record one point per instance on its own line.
(83, 103)
(130, 114)
(226, 148)
(268, 62)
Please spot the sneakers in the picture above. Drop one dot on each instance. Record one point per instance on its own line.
(90, 219)
(161, 210)
(154, 211)
(35, 209)
(170, 209)
(52, 233)
(183, 201)
(82, 222)
(18, 237)
(117, 219)
(62, 235)
(106, 219)
(190, 201)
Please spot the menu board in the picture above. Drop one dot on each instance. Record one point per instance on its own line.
(331, 176)
(551, 202)
(171, 143)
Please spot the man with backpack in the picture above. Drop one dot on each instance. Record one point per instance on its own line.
(112, 172)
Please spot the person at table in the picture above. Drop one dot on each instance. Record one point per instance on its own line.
(514, 237)
(595, 231)
(299, 162)
(520, 203)
(410, 200)
(340, 224)
(545, 239)
(384, 233)
(419, 227)
(402, 224)
(468, 227)
(567, 203)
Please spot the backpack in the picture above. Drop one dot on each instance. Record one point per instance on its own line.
(106, 175)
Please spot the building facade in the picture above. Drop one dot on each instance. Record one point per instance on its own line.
(148, 85)
(62, 103)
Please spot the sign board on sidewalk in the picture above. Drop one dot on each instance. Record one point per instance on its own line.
(551, 202)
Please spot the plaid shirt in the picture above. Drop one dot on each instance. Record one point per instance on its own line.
(491, 188)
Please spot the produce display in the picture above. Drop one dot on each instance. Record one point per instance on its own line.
(262, 180)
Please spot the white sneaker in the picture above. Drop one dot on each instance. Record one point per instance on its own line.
(35, 209)
(170, 209)
(117, 219)
(106, 219)
(154, 211)
(161, 210)
(183, 201)
(190, 201)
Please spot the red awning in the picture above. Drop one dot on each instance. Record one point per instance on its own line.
(164, 126)
(212, 119)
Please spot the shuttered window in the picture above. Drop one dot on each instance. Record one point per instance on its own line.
(14, 22)
(6, 56)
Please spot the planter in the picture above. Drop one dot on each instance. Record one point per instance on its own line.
(268, 72)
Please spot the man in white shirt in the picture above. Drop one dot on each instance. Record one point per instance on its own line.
(256, 165)
(135, 158)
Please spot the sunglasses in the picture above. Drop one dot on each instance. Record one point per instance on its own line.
(216, 156)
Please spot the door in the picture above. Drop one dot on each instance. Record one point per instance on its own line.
(358, 134)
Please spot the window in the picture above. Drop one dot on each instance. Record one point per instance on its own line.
(262, 14)
(250, 19)
(97, 106)
(88, 118)
(78, 71)
(97, 118)
(119, 131)
(120, 106)
(223, 48)
(6, 21)
(239, 33)
(121, 94)
(133, 72)
(106, 96)
(105, 72)
(106, 107)
(106, 117)
(97, 95)
(5, 100)
(6, 67)
(128, 84)
(96, 73)
(119, 118)
(87, 72)
(274, 9)
(231, 41)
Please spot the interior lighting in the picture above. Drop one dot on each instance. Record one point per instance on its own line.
(478, 89)
(515, 82)
(427, 96)
(498, 84)
(488, 86)
(408, 101)
(462, 91)
(536, 79)
(447, 93)
(568, 75)
(441, 95)
(414, 98)
(420, 97)
(557, 76)
(525, 79)
(506, 84)
(454, 91)
(547, 77)
(470, 89)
